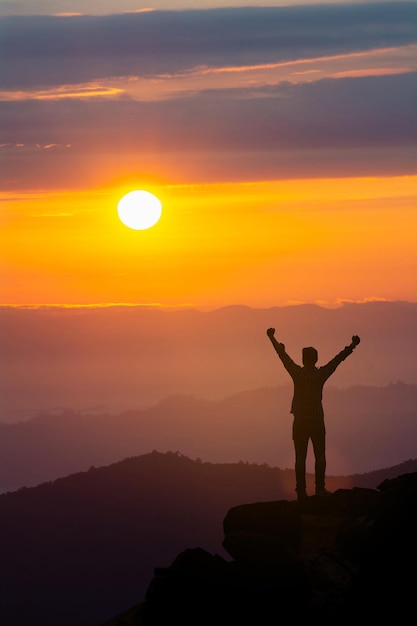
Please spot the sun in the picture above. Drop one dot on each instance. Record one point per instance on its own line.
(139, 209)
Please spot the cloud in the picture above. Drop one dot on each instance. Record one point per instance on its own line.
(218, 95)
(103, 7)
(92, 90)
(344, 113)
(65, 7)
(359, 126)
(46, 50)
(365, 63)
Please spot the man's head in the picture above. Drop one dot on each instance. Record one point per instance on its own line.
(310, 356)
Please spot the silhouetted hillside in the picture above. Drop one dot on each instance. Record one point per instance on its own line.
(368, 428)
(83, 548)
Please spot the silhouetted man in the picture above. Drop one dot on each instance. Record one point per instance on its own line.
(307, 409)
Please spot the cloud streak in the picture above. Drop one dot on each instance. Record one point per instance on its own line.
(350, 112)
(40, 51)
(368, 63)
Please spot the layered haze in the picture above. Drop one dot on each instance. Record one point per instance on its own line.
(281, 141)
(119, 358)
(83, 386)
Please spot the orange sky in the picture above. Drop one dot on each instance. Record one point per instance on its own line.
(286, 168)
(261, 244)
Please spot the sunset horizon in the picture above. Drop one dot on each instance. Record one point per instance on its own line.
(216, 244)
(279, 140)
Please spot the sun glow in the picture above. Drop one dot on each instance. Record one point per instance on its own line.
(139, 210)
(217, 244)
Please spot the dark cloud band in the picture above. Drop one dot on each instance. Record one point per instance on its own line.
(45, 51)
(349, 112)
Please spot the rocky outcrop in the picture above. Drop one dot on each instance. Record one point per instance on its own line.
(347, 556)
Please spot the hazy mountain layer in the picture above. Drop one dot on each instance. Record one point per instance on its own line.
(368, 428)
(131, 357)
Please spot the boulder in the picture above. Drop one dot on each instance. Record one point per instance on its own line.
(345, 557)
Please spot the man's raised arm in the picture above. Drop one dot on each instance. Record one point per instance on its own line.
(331, 365)
(280, 350)
(350, 348)
(279, 347)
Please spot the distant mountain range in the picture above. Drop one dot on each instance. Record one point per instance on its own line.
(122, 358)
(368, 428)
(83, 548)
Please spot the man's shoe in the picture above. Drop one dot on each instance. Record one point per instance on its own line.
(323, 492)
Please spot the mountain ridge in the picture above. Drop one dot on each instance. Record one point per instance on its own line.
(367, 427)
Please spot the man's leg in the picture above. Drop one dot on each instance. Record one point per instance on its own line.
(318, 438)
(300, 437)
